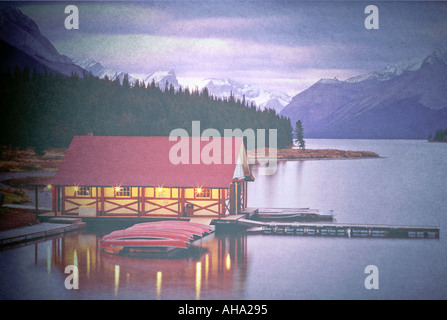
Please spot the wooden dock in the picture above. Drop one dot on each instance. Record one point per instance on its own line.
(285, 214)
(23, 235)
(328, 229)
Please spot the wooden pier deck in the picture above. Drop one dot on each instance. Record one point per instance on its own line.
(23, 235)
(330, 229)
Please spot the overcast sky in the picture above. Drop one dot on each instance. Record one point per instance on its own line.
(278, 45)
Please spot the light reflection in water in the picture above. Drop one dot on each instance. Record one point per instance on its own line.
(88, 263)
(228, 262)
(159, 276)
(215, 265)
(75, 258)
(49, 258)
(207, 267)
(198, 279)
(117, 279)
(75, 263)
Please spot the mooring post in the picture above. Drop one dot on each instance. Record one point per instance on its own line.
(36, 193)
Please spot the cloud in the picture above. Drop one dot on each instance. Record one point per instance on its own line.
(288, 43)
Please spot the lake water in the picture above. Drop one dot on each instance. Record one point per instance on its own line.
(407, 186)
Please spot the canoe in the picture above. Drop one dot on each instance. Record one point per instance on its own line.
(176, 224)
(143, 234)
(195, 230)
(116, 246)
(159, 236)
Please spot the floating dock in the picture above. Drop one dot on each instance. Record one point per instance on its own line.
(285, 214)
(327, 229)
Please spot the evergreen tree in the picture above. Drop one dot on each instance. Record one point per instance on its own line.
(126, 83)
(45, 110)
(299, 131)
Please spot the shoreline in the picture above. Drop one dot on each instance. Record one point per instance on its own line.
(311, 154)
(258, 160)
(26, 160)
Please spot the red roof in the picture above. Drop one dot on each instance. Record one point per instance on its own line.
(143, 161)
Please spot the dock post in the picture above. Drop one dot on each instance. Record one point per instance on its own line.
(36, 194)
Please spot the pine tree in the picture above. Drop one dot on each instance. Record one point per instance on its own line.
(126, 83)
(299, 131)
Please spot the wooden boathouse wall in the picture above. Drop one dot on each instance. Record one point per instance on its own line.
(151, 201)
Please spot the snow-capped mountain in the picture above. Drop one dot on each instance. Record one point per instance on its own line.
(221, 88)
(397, 69)
(161, 78)
(406, 100)
(22, 44)
(263, 99)
(391, 71)
(98, 70)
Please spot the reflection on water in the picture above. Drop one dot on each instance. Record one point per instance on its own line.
(407, 187)
(213, 266)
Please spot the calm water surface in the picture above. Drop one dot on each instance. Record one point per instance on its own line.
(407, 186)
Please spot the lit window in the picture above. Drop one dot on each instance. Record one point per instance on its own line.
(163, 192)
(83, 191)
(203, 193)
(122, 191)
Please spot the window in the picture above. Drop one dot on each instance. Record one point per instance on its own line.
(203, 193)
(122, 191)
(163, 192)
(83, 191)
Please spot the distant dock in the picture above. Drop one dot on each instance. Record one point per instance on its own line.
(327, 229)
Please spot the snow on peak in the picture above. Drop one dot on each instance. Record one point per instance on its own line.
(329, 81)
(225, 87)
(161, 77)
(98, 70)
(218, 87)
(437, 55)
(402, 66)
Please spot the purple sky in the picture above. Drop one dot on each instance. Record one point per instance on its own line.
(277, 45)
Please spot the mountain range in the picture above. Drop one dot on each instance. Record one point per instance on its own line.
(98, 70)
(404, 101)
(22, 44)
(220, 88)
(407, 100)
(263, 99)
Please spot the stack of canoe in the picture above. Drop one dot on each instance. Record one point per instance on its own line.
(160, 236)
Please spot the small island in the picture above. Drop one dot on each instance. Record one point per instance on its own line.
(440, 136)
(311, 154)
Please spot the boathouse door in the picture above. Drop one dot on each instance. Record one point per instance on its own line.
(235, 198)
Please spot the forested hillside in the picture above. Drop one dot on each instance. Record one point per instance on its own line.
(46, 110)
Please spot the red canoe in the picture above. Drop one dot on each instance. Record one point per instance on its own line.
(204, 227)
(159, 236)
(195, 230)
(142, 245)
(143, 234)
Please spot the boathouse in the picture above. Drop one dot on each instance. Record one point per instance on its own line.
(137, 177)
